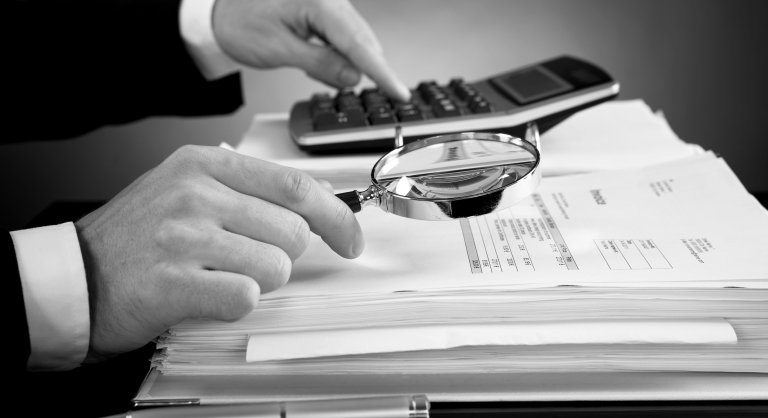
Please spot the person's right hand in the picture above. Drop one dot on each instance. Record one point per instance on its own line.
(201, 235)
(276, 33)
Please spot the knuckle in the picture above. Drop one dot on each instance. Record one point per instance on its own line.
(193, 157)
(299, 238)
(188, 195)
(171, 235)
(283, 271)
(186, 153)
(297, 187)
(239, 303)
(278, 273)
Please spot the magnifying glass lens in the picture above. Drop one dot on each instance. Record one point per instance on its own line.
(460, 168)
(452, 176)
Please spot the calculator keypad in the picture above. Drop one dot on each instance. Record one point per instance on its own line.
(372, 108)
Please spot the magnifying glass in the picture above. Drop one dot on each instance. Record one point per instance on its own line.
(452, 176)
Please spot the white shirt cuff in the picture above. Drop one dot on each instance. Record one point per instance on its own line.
(55, 296)
(195, 21)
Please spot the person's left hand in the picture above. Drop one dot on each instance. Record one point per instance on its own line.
(202, 235)
(276, 33)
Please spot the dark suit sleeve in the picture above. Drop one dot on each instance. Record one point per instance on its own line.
(76, 65)
(16, 347)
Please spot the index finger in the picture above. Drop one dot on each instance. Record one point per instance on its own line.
(326, 215)
(351, 36)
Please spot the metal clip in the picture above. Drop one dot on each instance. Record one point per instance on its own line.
(398, 137)
(532, 135)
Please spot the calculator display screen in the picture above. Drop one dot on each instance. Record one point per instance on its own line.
(532, 84)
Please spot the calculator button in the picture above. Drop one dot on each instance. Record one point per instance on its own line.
(375, 98)
(345, 100)
(371, 90)
(406, 106)
(345, 92)
(382, 118)
(353, 112)
(445, 109)
(424, 85)
(340, 120)
(379, 108)
(317, 112)
(437, 96)
(466, 92)
(348, 100)
(323, 107)
(447, 112)
(349, 104)
(412, 102)
(410, 115)
(456, 83)
(481, 106)
(476, 101)
(376, 103)
(356, 113)
(372, 93)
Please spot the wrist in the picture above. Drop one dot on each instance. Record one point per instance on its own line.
(94, 290)
(85, 251)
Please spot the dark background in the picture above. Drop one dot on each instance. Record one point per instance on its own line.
(704, 63)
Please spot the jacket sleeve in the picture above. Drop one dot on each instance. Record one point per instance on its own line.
(16, 347)
(81, 64)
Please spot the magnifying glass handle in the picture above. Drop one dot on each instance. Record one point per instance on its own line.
(356, 201)
(352, 199)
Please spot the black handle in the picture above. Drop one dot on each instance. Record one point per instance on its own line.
(352, 199)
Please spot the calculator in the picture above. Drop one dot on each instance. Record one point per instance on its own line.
(546, 93)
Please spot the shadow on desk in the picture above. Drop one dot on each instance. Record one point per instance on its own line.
(107, 388)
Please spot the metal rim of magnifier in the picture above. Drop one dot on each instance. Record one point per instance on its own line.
(462, 207)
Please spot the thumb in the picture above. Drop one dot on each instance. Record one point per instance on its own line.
(324, 64)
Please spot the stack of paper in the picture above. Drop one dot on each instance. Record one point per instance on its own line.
(653, 269)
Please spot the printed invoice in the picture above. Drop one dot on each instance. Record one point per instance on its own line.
(686, 221)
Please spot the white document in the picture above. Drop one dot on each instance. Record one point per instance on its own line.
(684, 221)
(339, 342)
(612, 136)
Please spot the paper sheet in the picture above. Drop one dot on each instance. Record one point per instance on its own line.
(644, 226)
(309, 344)
(611, 136)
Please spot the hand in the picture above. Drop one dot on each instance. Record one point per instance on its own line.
(275, 33)
(201, 235)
